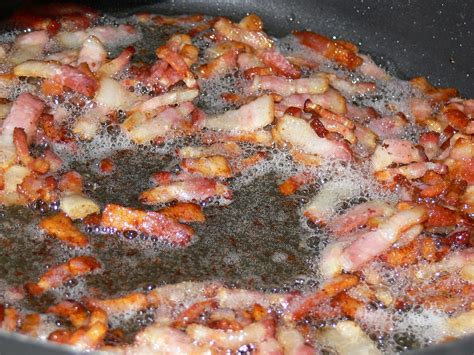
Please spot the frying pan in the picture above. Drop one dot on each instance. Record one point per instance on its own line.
(409, 37)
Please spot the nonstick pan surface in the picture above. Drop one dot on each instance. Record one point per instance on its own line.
(411, 38)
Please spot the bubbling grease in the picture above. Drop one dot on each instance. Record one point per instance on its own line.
(256, 236)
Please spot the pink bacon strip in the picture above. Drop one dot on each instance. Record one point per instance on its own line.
(24, 113)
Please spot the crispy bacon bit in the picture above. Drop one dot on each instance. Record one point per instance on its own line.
(132, 302)
(303, 307)
(293, 183)
(30, 324)
(332, 50)
(60, 226)
(441, 94)
(185, 212)
(146, 222)
(211, 166)
(57, 275)
(21, 146)
(106, 166)
(73, 311)
(186, 190)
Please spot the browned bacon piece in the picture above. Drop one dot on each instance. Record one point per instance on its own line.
(57, 275)
(186, 189)
(132, 302)
(147, 222)
(185, 212)
(303, 307)
(75, 312)
(343, 53)
(61, 227)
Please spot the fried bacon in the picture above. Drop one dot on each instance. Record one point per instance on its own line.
(57, 275)
(301, 135)
(254, 333)
(359, 215)
(60, 226)
(395, 151)
(341, 52)
(65, 75)
(187, 189)
(147, 222)
(287, 87)
(255, 39)
(24, 113)
(371, 244)
(210, 166)
(250, 117)
(302, 307)
(133, 302)
(185, 212)
(73, 311)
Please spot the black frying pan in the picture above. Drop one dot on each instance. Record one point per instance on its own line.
(410, 37)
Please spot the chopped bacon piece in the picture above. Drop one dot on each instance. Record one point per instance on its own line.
(331, 100)
(9, 318)
(301, 135)
(370, 244)
(116, 64)
(186, 190)
(358, 216)
(147, 222)
(230, 149)
(30, 324)
(106, 166)
(185, 212)
(192, 314)
(332, 50)
(395, 151)
(64, 74)
(277, 61)
(255, 39)
(293, 183)
(436, 94)
(60, 226)
(257, 114)
(57, 275)
(74, 311)
(287, 87)
(132, 302)
(169, 98)
(93, 53)
(21, 146)
(301, 308)
(349, 88)
(24, 113)
(211, 166)
(254, 333)
(389, 127)
(220, 65)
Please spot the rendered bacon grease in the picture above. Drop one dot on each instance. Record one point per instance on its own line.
(383, 170)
